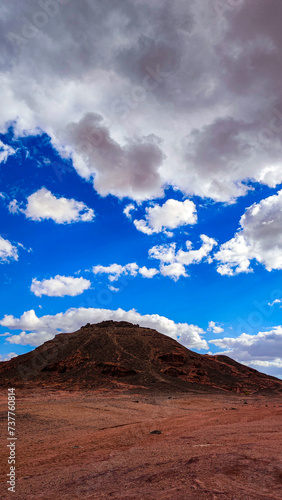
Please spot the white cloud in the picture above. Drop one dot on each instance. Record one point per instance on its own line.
(196, 256)
(174, 270)
(28, 321)
(214, 327)
(148, 273)
(257, 350)
(7, 251)
(177, 262)
(141, 225)
(7, 357)
(172, 264)
(44, 205)
(113, 288)
(60, 286)
(234, 256)
(276, 362)
(261, 345)
(164, 253)
(273, 367)
(148, 78)
(169, 234)
(170, 215)
(29, 250)
(128, 209)
(116, 270)
(259, 238)
(276, 301)
(46, 327)
(14, 207)
(5, 152)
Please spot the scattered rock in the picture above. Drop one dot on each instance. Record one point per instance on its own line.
(156, 432)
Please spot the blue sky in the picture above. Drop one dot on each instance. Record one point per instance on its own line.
(127, 193)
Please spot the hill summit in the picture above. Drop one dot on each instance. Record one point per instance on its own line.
(120, 355)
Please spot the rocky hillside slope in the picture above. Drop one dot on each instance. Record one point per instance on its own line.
(122, 355)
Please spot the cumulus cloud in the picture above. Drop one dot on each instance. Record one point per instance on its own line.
(117, 102)
(130, 170)
(44, 205)
(114, 271)
(60, 286)
(259, 238)
(46, 327)
(260, 350)
(8, 251)
(234, 256)
(170, 215)
(213, 327)
(148, 273)
(5, 152)
(163, 253)
(220, 154)
(195, 256)
(174, 270)
(174, 264)
(28, 321)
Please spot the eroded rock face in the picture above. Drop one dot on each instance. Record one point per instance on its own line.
(122, 355)
(174, 358)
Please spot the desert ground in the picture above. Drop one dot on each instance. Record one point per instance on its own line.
(82, 445)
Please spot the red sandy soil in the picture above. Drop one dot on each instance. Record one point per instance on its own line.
(98, 444)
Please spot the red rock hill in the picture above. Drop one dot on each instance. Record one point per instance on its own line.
(122, 355)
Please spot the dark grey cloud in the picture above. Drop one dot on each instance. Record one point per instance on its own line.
(131, 170)
(203, 77)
